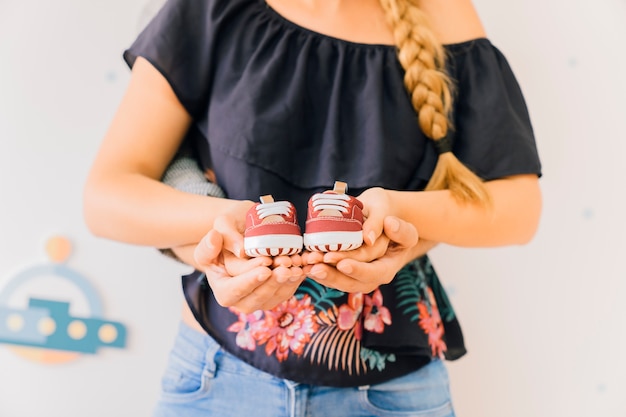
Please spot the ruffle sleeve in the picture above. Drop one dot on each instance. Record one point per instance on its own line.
(178, 42)
(290, 110)
(492, 131)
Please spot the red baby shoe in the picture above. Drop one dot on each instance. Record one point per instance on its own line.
(334, 221)
(272, 229)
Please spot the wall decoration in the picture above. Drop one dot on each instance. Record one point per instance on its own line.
(45, 330)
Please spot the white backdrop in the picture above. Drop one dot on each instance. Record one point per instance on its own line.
(544, 323)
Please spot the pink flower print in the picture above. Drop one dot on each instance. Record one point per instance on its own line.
(287, 327)
(244, 328)
(350, 313)
(376, 315)
(432, 325)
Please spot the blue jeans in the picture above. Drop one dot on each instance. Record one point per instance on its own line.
(201, 379)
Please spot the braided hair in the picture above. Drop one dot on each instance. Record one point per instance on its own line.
(423, 58)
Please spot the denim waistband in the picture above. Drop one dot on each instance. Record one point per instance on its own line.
(202, 348)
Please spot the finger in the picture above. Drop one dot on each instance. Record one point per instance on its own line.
(331, 277)
(208, 249)
(373, 226)
(318, 271)
(400, 232)
(311, 258)
(230, 290)
(283, 274)
(297, 274)
(231, 235)
(362, 254)
(284, 292)
(283, 260)
(296, 260)
(268, 295)
(383, 270)
(237, 266)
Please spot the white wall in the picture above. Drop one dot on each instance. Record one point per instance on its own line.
(61, 77)
(544, 323)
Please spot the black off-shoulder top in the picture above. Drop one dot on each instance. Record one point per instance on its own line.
(286, 111)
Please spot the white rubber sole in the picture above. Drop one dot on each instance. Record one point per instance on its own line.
(332, 241)
(272, 245)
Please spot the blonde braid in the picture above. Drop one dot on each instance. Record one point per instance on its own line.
(423, 58)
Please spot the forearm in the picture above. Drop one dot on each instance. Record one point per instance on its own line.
(123, 197)
(512, 218)
(139, 210)
(421, 249)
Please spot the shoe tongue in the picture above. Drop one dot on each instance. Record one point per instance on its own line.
(274, 218)
(340, 187)
(267, 199)
(330, 213)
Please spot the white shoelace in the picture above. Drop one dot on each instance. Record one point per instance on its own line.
(281, 208)
(331, 202)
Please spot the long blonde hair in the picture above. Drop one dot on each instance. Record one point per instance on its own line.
(423, 58)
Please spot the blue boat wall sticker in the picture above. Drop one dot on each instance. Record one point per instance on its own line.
(44, 330)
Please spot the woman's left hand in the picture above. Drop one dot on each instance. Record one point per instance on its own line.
(366, 268)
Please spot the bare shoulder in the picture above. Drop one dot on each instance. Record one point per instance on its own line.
(453, 21)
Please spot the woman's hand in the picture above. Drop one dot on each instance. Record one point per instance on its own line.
(377, 205)
(366, 268)
(247, 284)
(389, 244)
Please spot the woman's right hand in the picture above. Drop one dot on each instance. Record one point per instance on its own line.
(246, 284)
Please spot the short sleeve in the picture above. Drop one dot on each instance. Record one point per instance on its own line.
(492, 132)
(178, 43)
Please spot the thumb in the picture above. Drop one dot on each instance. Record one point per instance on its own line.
(231, 236)
(400, 232)
(209, 248)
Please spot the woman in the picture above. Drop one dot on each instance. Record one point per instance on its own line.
(290, 96)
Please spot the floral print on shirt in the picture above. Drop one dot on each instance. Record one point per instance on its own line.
(327, 326)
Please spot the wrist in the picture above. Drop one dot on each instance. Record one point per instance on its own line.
(236, 209)
(396, 203)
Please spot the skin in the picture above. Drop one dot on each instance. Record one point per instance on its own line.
(262, 283)
(124, 199)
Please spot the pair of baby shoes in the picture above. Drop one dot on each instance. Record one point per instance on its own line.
(334, 223)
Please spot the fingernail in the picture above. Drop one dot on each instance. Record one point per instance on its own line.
(319, 274)
(237, 250)
(295, 278)
(394, 224)
(263, 276)
(284, 262)
(209, 245)
(371, 236)
(345, 268)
